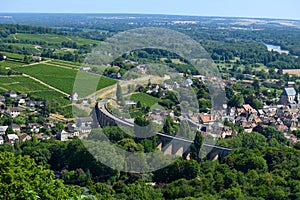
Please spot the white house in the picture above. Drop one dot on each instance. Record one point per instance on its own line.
(22, 101)
(73, 96)
(12, 138)
(13, 112)
(3, 130)
(36, 58)
(11, 94)
(63, 135)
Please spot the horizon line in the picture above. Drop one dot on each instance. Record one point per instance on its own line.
(165, 14)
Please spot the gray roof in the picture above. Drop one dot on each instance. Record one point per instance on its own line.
(290, 91)
(3, 128)
(189, 81)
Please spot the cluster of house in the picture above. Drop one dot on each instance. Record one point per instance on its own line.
(81, 128)
(15, 137)
(154, 88)
(21, 102)
(284, 116)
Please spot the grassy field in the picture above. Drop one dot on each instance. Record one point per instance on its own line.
(14, 56)
(14, 60)
(31, 87)
(10, 63)
(144, 99)
(30, 47)
(64, 78)
(52, 38)
(51, 96)
(66, 63)
(21, 84)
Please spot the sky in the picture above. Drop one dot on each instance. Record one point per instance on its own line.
(283, 9)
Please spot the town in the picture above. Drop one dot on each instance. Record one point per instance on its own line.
(205, 108)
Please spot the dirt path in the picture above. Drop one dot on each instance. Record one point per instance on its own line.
(56, 65)
(61, 118)
(45, 84)
(36, 63)
(64, 64)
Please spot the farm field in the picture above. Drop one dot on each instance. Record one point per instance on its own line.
(26, 85)
(14, 60)
(144, 99)
(52, 38)
(31, 47)
(291, 71)
(21, 84)
(10, 63)
(14, 56)
(51, 97)
(66, 63)
(64, 78)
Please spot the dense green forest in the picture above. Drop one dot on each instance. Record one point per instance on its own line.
(260, 167)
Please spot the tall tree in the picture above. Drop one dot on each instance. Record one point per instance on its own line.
(119, 93)
(195, 149)
(168, 129)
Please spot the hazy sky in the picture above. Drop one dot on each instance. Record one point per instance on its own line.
(288, 9)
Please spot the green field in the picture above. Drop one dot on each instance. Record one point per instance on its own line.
(146, 99)
(14, 56)
(21, 84)
(66, 63)
(52, 38)
(51, 97)
(64, 78)
(10, 63)
(29, 47)
(26, 85)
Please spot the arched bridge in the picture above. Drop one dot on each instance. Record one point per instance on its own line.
(168, 144)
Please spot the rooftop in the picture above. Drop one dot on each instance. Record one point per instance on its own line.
(289, 92)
